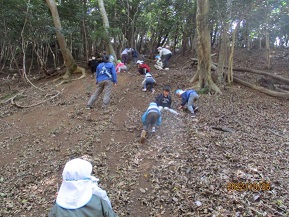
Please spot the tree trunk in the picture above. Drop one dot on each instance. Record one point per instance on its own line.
(222, 58)
(66, 53)
(230, 68)
(268, 66)
(106, 26)
(204, 47)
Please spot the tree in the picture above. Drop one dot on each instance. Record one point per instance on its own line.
(69, 61)
(204, 48)
(106, 26)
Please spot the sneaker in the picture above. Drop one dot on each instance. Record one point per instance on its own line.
(166, 68)
(143, 136)
(196, 109)
(153, 90)
(144, 90)
(193, 115)
(88, 107)
(153, 130)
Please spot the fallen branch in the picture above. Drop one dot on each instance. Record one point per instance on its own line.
(261, 89)
(224, 129)
(277, 134)
(29, 106)
(259, 72)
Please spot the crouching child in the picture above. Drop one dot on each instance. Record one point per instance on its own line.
(188, 97)
(159, 63)
(148, 83)
(164, 100)
(150, 119)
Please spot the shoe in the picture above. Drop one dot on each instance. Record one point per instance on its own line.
(143, 136)
(144, 90)
(153, 130)
(153, 90)
(196, 109)
(193, 115)
(166, 68)
(88, 107)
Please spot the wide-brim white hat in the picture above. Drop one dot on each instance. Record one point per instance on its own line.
(76, 188)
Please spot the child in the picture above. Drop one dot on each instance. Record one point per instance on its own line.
(188, 97)
(142, 67)
(165, 55)
(92, 63)
(164, 100)
(148, 83)
(120, 67)
(159, 63)
(79, 193)
(151, 117)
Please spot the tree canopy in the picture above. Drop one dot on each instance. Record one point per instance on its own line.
(143, 25)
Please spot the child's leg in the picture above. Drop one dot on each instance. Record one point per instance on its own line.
(192, 99)
(152, 119)
(145, 85)
(173, 111)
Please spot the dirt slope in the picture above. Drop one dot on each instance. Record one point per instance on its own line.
(183, 171)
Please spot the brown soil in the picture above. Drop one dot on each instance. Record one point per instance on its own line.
(184, 170)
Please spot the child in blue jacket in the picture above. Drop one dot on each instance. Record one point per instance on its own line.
(148, 83)
(188, 97)
(151, 117)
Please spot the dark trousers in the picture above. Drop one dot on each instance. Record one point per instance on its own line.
(166, 60)
(151, 120)
(149, 84)
(124, 58)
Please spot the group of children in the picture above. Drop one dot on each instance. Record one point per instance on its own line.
(152, 116)
(79, 193)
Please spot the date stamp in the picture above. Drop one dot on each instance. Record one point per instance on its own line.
(248, 186)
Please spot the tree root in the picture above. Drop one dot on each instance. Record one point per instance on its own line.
(259, 72)
(67, 79)
(11, 98)
(261, 89)
(35, 104)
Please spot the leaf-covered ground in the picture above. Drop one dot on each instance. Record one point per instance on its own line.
(186, 169)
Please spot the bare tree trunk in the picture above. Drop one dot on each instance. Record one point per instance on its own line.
(204, 47)
(222, 58)
(268, 66)
(230, 67)
(106, 26)
(66, 53)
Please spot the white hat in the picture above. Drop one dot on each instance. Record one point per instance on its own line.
(93, 58)
(76, 188)
(139, 62)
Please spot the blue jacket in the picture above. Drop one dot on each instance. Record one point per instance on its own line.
(106, 71)
(152, 108)
(186, 95)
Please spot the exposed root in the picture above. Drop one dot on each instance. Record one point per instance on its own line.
(35, 104)
(262, 89)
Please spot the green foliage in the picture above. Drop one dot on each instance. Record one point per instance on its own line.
(146, 22)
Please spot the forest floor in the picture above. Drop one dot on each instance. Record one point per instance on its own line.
(186, 169)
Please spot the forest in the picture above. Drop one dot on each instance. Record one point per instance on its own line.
(230, 160)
